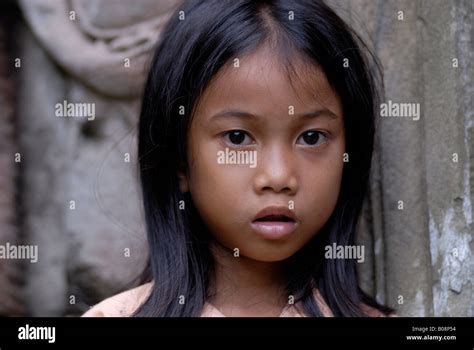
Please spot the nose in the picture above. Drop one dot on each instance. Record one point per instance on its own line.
(276, 171)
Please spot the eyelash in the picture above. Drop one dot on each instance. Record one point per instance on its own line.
(226, 136)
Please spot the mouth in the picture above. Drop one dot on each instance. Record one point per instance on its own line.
(274, 223)
(275, 218)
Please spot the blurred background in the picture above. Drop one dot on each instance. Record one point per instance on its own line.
(69, 185)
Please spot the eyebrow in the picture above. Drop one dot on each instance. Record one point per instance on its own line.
(232, 113)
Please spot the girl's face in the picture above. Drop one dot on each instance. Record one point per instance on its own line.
(259, 142)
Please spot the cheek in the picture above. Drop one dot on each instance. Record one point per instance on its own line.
(325, 189)
(320, 191)
(217, 189)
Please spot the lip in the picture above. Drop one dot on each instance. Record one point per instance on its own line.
(276, 210)
(274, 229)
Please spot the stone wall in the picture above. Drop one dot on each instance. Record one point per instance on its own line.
(421, 200)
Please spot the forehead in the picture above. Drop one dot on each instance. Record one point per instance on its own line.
(261, 82)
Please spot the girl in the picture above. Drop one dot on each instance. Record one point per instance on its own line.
(255, 141)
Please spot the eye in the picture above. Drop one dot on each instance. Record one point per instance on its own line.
(237, 138)
(312, 138)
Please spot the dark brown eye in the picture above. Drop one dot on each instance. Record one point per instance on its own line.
(237, 137)
(312, 137)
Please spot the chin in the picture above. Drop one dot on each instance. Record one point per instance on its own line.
(272, 255)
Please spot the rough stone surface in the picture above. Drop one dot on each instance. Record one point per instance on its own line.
(11, 301)
(422, 261)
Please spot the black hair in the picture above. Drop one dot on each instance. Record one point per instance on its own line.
(195, 44)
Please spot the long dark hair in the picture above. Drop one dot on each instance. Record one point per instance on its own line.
(194, 45)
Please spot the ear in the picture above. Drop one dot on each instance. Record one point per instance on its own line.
(183, 179)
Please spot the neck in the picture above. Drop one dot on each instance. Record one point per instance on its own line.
(246, 287)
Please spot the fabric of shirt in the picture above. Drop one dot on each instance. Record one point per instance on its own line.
(125, 304)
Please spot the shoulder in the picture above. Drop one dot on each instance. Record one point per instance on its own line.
(373, 312)
(121, 305)
(370, 311)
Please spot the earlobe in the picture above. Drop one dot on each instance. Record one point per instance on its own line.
(183, 181)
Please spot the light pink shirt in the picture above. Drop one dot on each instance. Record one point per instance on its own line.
(124, 304)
